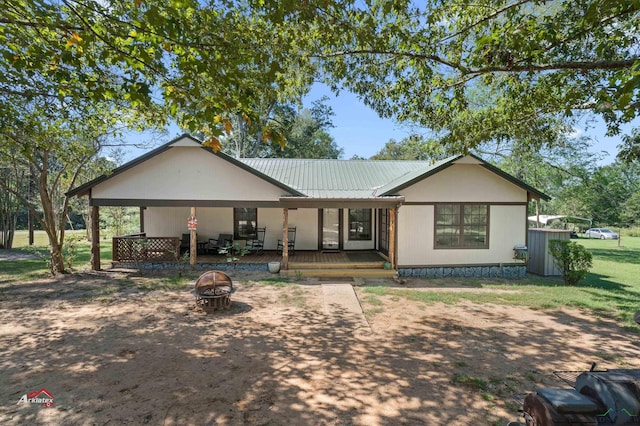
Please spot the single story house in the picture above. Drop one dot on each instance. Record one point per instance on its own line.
(458, 216)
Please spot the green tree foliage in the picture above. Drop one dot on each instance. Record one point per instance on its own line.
(410, 148)
(604, 193)
(53, 149)
(478, 71)
(308, 135)
(572, 258)
(556, 170)
(118, 221)
(630, 147)
(306, 139)
(247, 137)
(198, 60)
(609, 189)
(630, 210)
(305, 132)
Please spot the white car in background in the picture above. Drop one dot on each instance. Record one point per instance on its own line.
(602, 233)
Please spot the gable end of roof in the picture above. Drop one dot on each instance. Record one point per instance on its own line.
(448, 162)
(86, 187)
(412, 179)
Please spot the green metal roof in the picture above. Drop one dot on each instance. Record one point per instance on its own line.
(358, 178)
(326, 179)
(337, 178)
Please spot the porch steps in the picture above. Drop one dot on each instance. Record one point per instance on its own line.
(338, 270)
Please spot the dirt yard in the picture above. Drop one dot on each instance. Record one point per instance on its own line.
(115, 352)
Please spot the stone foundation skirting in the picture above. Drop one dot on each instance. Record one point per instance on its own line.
(199, 266)
(497, 271)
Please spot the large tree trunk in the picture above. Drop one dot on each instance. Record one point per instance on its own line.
(57, 259)
(9, 204)
(53, 223)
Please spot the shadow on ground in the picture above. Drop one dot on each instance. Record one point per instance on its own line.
(110, 352)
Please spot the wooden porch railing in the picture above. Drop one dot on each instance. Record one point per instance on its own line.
(140, 248)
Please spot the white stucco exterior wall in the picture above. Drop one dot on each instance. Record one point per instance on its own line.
(306, 223)
(187, 173)
(464, 183)
(212, 221)
(416, 238)
(172, 221)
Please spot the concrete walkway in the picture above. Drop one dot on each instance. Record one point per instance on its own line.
(342, 305)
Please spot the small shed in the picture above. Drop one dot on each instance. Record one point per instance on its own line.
(541, 261)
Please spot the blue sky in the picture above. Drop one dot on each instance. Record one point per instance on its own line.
(359, 131)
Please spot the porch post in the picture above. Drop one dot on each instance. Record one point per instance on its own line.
(142, 209)
(193, 243)
(392, 236)
(95, 238)
(285, 238)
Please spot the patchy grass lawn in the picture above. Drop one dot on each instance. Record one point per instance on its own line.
(36, 265)
(610, 290)
(122, 347)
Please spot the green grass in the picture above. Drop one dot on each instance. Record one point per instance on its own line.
(611, 288)
(35, 268)
(472, 382)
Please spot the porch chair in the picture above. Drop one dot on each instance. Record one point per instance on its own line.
(215, 244)
(257, 244)
(185, 243)
(292, 241)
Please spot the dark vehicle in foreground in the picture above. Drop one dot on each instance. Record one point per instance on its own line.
(610, 397)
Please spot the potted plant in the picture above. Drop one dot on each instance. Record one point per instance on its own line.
(274, 267)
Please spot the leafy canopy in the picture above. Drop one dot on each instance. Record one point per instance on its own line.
(472, 71)
(196, 60)
(479, 70)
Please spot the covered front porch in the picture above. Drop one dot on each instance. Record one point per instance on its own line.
(320, 242)
(146, 253)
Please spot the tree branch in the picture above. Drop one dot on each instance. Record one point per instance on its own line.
(34, 24)
(90, 28)
(376, 52)
(570, 65)
(484, 19)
